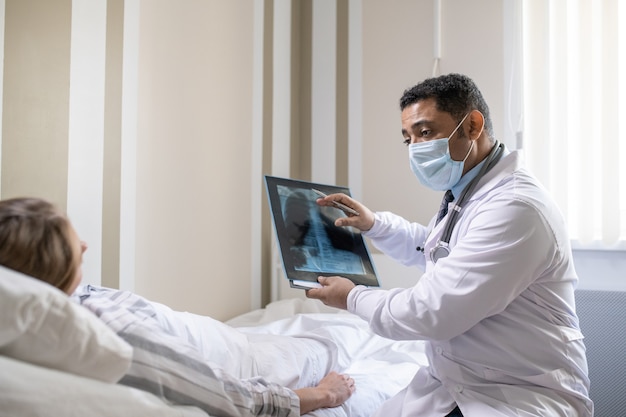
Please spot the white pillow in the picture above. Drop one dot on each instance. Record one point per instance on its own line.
(39, 324)
(33, 391)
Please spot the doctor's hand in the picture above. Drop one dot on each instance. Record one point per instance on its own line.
(334, 291)
(363, 221)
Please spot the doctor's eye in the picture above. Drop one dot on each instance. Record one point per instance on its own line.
(407, 141)
(424, 133)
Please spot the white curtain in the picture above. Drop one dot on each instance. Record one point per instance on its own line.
(574, 127)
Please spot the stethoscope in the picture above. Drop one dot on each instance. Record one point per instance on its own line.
(442, 248)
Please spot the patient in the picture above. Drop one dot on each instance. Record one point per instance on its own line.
(169, 359)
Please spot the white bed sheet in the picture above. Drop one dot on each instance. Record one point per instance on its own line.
(380, 367)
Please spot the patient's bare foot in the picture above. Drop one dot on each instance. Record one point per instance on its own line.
(333, 390)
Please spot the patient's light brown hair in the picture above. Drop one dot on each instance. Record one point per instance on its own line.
(36, 240)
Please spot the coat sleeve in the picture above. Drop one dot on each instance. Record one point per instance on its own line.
(398, 238)
(505, 247)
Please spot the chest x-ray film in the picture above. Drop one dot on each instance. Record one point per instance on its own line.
(309, 243)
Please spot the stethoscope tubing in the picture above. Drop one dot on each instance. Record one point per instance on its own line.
(442, 248)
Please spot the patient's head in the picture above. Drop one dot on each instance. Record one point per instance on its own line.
(38, 240)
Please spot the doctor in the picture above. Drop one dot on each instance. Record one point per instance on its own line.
(496, 302)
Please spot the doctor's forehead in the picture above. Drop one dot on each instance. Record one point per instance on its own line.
(423, 112)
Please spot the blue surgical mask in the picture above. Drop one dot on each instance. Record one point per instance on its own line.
(432, 165)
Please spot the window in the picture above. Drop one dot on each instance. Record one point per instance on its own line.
(574, 89)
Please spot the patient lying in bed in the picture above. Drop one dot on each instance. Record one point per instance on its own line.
(197, 361)
(202, 362)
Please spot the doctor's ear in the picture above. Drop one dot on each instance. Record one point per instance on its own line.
(477, 124)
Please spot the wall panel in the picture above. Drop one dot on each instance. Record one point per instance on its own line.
(193, 155)
(35, 117)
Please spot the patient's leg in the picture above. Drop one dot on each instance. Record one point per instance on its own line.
(219, 344)
(291, 361)
(309, 346)
(295, 352)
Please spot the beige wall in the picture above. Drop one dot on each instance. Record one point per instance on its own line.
(193, 154)
(35, 118)
(203, 97)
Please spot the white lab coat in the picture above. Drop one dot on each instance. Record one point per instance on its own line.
(497, 314)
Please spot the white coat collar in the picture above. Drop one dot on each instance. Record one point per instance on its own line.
(511, 161)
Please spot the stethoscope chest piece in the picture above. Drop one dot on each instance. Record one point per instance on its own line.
(441, 250)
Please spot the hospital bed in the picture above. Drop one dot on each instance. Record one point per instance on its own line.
(58, 359)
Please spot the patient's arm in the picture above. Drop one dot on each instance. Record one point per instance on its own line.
(333, 390)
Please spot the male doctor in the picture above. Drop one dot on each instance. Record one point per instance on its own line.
(496, 302)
